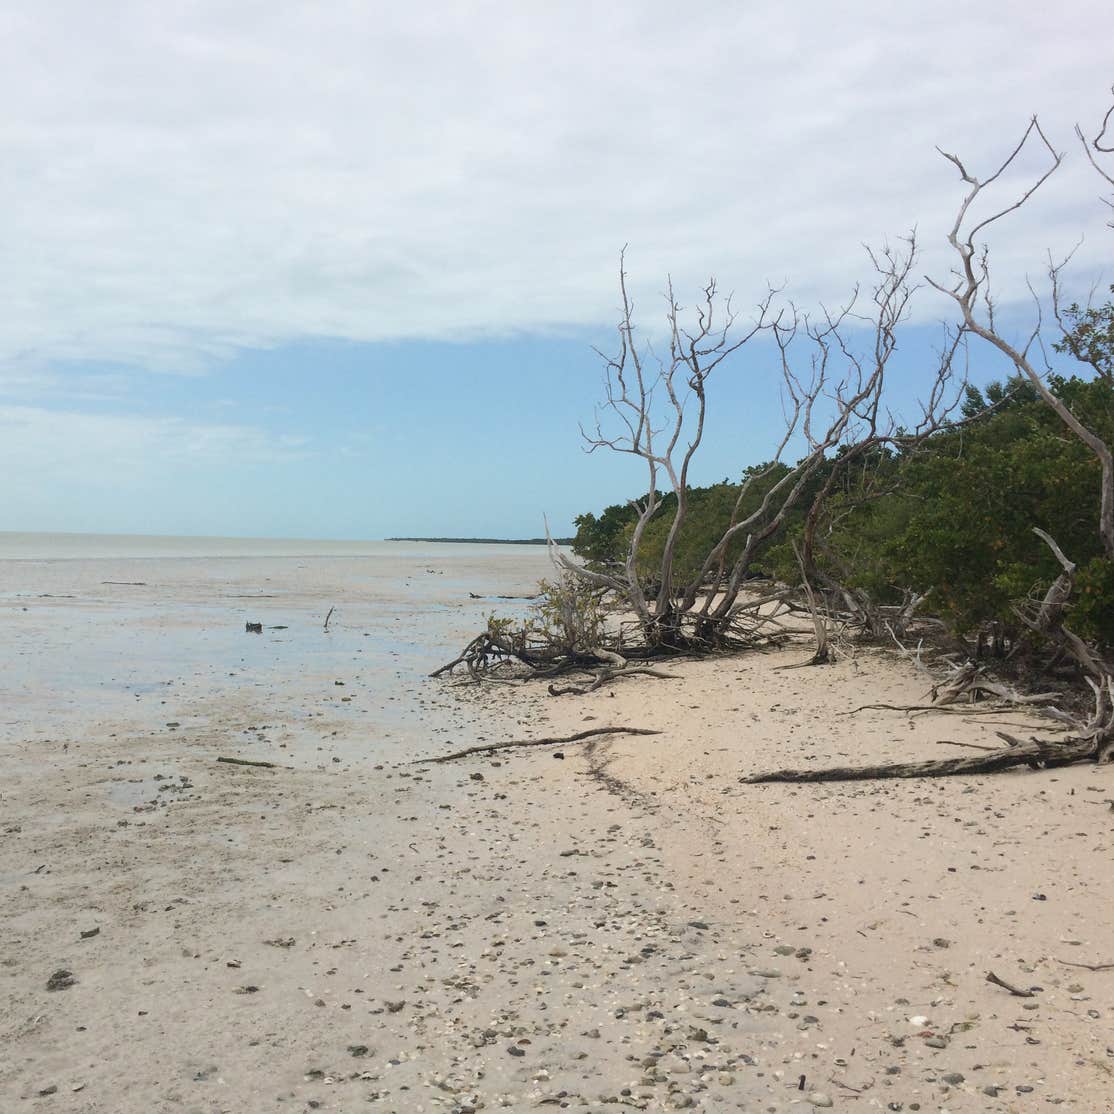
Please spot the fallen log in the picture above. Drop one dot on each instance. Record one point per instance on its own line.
(247, 762)
(606, 677)
(489, 748)
(956, 743)
(1016, 991)
(1035, 753)
(474, 596)
(988, 709)
(1088, 966)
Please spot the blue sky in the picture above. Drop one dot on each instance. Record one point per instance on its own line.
(336, 270)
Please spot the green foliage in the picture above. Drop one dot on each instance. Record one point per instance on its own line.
(954, 517)
(710, 512)
(1093, 614)
(570, 615)
(602, 541)
(1090, 338)
(501, 629)
(960, 518)
(708, 515)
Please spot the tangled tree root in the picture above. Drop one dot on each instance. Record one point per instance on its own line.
(489, 748)
(1036, 753)
(606, 677)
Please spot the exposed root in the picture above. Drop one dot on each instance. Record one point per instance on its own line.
(1016, 991)
(970, 682)
(538, 657)
(606, 677)
(1036, 753)
(489, 748)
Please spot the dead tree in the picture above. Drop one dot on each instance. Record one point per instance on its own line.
(635, 380)
(877, 433)
(1048, 616)
(655, 410)
(970, 291)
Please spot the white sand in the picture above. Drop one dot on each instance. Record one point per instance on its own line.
(615, 917)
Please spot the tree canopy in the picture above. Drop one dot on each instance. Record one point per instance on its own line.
(952, 517)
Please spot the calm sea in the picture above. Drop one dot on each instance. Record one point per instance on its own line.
(106, 633)
(52, 547)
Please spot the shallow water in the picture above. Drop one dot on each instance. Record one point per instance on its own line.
(92, 645)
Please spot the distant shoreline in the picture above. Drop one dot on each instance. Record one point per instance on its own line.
(486, 541)
(56, 547)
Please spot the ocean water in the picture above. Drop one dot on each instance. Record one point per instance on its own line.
(57, 547)
(104, 634)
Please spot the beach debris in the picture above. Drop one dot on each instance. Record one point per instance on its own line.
(89, 933)
(474, 596)
(1035, 753)
(328, 617)
(253, 628)
(1014, 990)
(545, 659)
(246, 762)
(1088, 966)
(487, 748)
(61, 980)
(606, 676)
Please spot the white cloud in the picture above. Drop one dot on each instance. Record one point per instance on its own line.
(45, 446)
(181, 181)
(62, 468)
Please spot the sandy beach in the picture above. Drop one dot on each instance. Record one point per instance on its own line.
(612, 924)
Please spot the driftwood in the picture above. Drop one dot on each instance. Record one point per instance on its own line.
(605, 677)
(489, 748)
(543, 659)
(1016, 991)
(495, 647)
(1035, 753)
(1088, 966)
(328, 617)
(816, 613)
(474, 596)
(943, 709)
(969, 682)
(247, 762)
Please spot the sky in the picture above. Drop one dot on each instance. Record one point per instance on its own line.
(337, 269)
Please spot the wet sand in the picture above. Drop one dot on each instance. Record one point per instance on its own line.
(626, 925)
